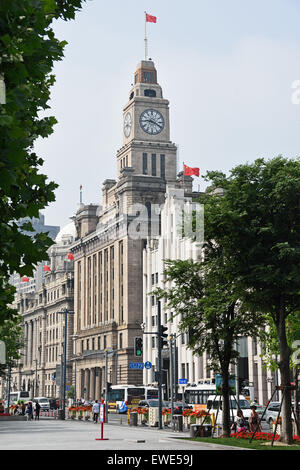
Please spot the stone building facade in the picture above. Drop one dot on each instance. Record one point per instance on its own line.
(43, 325)
(171, 245)
(111, 237)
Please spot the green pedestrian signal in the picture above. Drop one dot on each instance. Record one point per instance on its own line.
(138, 347)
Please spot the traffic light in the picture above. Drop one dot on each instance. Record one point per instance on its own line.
(163, 336)
(138, 347)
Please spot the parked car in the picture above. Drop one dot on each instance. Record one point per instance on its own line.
(272, 412)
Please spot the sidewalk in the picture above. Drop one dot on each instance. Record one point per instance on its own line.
(73, 435)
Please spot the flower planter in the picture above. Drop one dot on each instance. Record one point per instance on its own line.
(187, 421)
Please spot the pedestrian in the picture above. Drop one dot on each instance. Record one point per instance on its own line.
(29, 411)
(23, 407)
(239, 422)
(253, 420)
(255, 402)
(96, 411)
(37, 411)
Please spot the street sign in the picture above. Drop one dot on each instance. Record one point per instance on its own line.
(102, 413)
(182, 381)
(148, 365)
(136, 365)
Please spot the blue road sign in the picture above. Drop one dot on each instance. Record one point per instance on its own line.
(148, 365)
(136, 365)
(182, 381)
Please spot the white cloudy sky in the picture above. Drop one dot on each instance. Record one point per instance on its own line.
(226, 67)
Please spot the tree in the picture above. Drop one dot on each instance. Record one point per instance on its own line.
(11, 332)
(28, 50)
(205, 297)
(257, 223)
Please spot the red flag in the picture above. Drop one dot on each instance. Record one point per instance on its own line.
(150, 19)
(71, 256)
(47, 268)
(25, 279)
(188, 171)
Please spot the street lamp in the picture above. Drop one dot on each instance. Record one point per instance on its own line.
(64, 312)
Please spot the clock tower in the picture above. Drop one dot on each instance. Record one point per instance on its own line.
(147, 148)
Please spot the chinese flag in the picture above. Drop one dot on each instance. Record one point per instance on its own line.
(70, 256)
(188, 171)
(25, 279)
(150, 19)
(47, 268)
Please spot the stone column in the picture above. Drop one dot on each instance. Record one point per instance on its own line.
(81, 383)
(87, 383)
(30, 338)
(26, 344)
(92, 384)
(98, 383)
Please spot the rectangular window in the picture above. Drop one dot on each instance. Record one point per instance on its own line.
(145, 168)
(162, 167)
(153, 164)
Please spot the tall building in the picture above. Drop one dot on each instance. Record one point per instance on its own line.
(44, 324)
(110, 241)
(170, 244)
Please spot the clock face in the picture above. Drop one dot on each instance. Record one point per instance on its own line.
(152, 121)
(127, 124)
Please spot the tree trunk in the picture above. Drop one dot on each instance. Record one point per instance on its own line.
(226, 403)
(286, 435)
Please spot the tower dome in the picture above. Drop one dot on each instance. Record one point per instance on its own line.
(68, 231)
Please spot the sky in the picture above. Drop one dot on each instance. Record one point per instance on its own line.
(227, 68)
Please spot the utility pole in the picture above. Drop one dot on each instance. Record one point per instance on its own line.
(106, 385)
(237, 375)
(65, 312)
(8, 386)
(159, 365)
(172, 378)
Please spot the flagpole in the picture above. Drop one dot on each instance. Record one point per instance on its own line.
(145, 39)
(183, 179)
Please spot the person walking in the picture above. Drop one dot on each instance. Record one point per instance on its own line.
(239, 422)
(253, 420)
(96, 411)
(37, 411)
(29, 411)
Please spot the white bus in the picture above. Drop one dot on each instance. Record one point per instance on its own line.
(196, 395)
(124, 397)
(14, 397)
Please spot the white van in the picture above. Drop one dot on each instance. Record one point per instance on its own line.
(43, 402)
(214, 401)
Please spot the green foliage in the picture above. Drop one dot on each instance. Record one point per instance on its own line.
(256, 224)
(28, 50)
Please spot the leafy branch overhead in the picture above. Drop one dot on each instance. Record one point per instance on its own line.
(28, 51)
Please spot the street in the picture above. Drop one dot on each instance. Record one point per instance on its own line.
(51, 434)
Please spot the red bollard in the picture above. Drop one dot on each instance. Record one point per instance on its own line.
(102, 421)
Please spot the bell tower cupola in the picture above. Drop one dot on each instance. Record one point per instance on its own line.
(147, 148)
